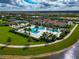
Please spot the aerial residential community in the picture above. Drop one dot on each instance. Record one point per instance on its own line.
(39, 29)
(22, 34)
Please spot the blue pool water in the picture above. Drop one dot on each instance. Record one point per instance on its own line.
(55, 30)
(36, 30)
(41, 28)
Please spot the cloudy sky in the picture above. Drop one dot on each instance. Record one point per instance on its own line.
(39, 5)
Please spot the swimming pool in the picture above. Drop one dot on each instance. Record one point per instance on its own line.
(54, 30)
(41, 28)
(36, 30)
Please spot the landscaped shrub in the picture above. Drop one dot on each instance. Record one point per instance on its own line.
(67, 31)
(62, 35)
(17, 33)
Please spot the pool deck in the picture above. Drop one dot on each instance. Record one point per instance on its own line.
(40, 32)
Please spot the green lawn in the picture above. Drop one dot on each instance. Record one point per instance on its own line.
(16, 39)
(71, 27)
(39, 50)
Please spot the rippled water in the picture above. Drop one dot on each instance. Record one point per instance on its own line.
(72, 53)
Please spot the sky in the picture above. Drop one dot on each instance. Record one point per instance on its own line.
(39, 5)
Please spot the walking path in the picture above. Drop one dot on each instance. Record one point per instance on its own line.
(39, 45)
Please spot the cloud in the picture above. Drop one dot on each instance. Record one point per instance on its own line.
(38, 5)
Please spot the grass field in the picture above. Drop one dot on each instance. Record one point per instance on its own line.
(16, 39)
(39, 50)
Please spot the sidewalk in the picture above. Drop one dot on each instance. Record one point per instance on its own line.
(39, 45)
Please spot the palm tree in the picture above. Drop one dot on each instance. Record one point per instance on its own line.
(53, 37)
(44, 36)
(63, 34)
(25, 29)
(29, 30)
(9, 40)
(29, 38)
